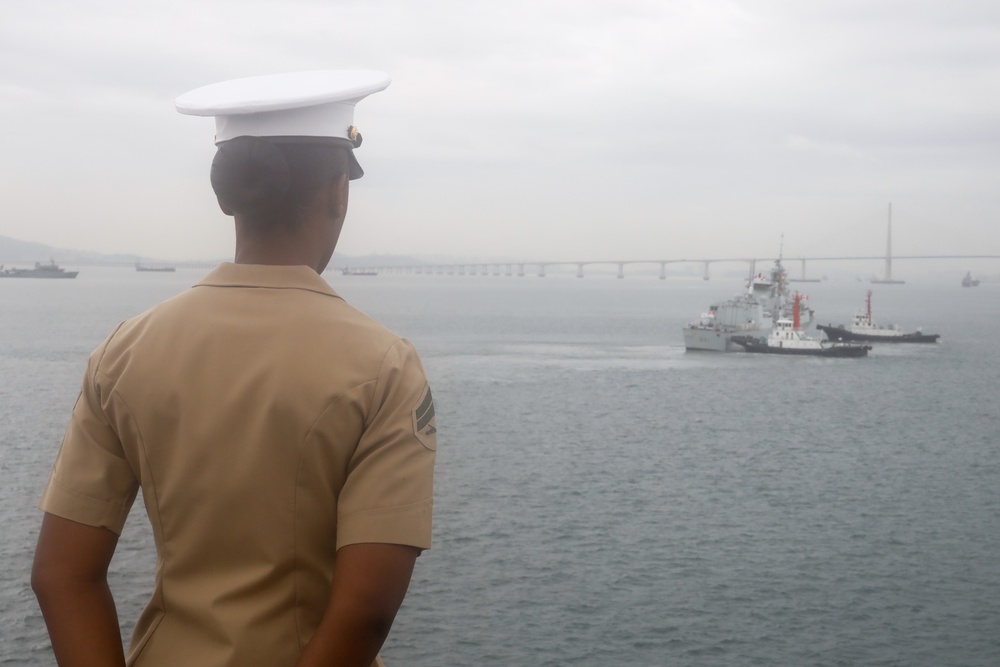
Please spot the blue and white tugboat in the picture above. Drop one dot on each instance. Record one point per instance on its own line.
(787, 337)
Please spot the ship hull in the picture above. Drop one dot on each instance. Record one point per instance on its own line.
(708, 340)
(843, 334)
(41, 275)
(761, 346)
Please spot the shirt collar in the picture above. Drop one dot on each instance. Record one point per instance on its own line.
(269, 276)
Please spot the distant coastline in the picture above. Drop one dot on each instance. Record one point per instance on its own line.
(14, 252)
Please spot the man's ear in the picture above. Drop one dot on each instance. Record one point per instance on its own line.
(337, 195)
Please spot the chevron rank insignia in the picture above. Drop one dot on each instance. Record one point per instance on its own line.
(424, 424)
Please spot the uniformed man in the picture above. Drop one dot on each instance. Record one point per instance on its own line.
(284, 442)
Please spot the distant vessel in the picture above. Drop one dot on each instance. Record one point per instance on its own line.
(160, 269)
(969, 281)
(750, 314)
(787, 337)
(863, 329)
(50, 270)
(347, 271)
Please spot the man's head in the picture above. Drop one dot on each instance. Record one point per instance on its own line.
(285, 154)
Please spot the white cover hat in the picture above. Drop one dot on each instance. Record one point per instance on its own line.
(305, 105)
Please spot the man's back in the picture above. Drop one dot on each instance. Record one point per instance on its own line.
(269, 424)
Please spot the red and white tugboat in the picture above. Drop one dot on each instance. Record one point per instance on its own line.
(863, 329)
(787, 337)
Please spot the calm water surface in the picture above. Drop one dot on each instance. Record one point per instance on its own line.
(604, 497)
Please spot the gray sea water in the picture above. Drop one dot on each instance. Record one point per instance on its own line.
(604, 497)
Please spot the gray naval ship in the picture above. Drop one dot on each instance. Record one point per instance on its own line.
(750, 314)
(50, 270)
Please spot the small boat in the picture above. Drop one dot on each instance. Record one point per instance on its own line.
(788, 338)
(157, 268)
(969, 281)
(864, 329)
(50, 270)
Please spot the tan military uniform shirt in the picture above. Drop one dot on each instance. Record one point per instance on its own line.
(268, 424)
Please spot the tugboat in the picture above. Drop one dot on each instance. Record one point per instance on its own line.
(50, 270)
(787, 337)
(863, 329)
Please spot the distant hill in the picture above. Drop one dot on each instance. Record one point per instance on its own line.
(15, 251)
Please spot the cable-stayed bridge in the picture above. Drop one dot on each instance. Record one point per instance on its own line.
(540, 268)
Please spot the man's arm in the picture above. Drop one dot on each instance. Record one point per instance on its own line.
(369, 583)
(70, 580)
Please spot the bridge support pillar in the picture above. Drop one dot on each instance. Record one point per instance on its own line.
(663, 270)
(541, 270)
(579, 269)
(508, 270)
(705, 276)
(520, 270)
(621, 269)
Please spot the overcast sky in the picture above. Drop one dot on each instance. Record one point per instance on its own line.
(529, 129)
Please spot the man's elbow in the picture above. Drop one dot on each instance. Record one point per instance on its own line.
(45, 582)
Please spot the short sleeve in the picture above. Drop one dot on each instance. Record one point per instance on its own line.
(388, 494)
(91, 482)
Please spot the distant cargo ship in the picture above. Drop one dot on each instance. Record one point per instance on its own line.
(161, 269)
(50, 270)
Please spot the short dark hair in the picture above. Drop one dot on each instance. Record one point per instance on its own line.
(267, 181)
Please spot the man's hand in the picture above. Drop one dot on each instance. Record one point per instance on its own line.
(369, 584)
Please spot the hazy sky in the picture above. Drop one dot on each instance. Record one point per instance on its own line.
(534, 129)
